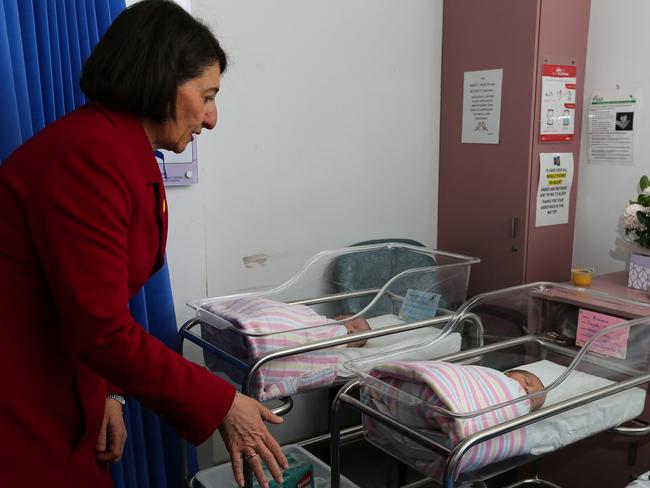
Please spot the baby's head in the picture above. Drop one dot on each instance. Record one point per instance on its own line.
(530, 383)
(353, 326)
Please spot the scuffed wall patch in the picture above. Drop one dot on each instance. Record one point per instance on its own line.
(259, 259)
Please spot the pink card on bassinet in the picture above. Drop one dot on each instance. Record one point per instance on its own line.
(613, 344)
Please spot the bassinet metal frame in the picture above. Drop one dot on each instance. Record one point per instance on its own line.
(455, 455)
(186, 333)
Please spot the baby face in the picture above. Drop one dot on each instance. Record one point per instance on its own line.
(530, 383)
(353, 326)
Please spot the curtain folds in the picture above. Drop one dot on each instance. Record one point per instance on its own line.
(153, 459)
(43, 44)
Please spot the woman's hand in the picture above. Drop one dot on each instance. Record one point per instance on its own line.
(114, 429)
(245, 434)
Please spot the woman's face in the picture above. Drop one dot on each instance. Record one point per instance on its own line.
(196, 108)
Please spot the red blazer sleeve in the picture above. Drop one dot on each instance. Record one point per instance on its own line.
(79, 213)
(113, 390)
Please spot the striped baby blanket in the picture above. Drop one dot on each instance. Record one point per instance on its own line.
(459, 389)
(282, 326)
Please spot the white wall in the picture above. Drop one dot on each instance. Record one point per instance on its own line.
(327, 135)
(619, 43)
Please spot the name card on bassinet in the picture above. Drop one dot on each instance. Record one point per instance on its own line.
(613, 344)
(419, 305)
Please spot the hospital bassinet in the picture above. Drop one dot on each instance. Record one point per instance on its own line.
(386, 284)
(593, 361)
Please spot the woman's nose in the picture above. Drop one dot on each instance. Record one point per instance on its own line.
(210, 119)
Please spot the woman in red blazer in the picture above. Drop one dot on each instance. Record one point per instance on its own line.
(84, 224)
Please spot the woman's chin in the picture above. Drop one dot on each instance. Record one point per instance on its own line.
(180, 147)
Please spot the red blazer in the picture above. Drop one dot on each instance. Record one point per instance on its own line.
(83, 224)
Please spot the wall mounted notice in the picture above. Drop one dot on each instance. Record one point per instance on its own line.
(611, 126)
(558, 105)
(613, 344)
(482, 106)
(555, 178)
(178, 169)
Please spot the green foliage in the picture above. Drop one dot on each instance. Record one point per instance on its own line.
(644, 183)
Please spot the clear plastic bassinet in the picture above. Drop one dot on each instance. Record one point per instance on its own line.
(588, 350)
(387, 285)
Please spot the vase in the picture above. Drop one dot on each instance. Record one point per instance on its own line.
(639, 273)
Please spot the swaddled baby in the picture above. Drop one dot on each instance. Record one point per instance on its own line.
(267, 326)
(460, 389)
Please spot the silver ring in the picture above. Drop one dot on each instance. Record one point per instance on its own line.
(248, 458)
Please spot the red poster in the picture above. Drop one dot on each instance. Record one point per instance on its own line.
(558, 103)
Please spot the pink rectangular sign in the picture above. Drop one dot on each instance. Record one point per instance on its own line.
(613, 344)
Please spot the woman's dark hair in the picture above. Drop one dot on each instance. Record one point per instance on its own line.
(150, 48)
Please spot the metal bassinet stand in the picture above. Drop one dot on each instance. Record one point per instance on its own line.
(334, 282)
(250, 370)
(536, 301)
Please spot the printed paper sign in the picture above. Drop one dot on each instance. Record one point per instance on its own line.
(612, 126)
(613, 344)
(554, 190)
(558, 105)
(481, 106)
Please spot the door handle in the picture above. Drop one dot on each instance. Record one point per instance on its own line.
(513, 227)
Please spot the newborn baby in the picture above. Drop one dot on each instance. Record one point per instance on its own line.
(530, 383)
(353, 326)
(449, 389)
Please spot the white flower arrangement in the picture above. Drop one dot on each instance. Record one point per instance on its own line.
(636, 217)
(630, 219)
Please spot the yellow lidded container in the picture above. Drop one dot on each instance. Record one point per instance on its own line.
(582, 276)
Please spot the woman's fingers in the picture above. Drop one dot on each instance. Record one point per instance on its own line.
(271, 462)
(245, 434)
(269, 416)
(255, 459)
(237, 466)
(276, 451)
(255, 462)
(100, 445)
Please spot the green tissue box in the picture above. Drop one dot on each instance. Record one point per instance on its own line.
(300, 474)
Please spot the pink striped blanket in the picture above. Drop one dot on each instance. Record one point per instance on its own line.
(281, 326)
(458, 389)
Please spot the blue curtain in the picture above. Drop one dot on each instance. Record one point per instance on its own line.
(152, 454)
(43, 44)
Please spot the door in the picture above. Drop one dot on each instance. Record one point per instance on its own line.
(483, 197)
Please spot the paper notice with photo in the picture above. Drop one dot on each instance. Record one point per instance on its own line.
(612, 126)
(613, 344)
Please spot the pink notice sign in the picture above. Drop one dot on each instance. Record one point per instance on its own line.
(613, 344)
